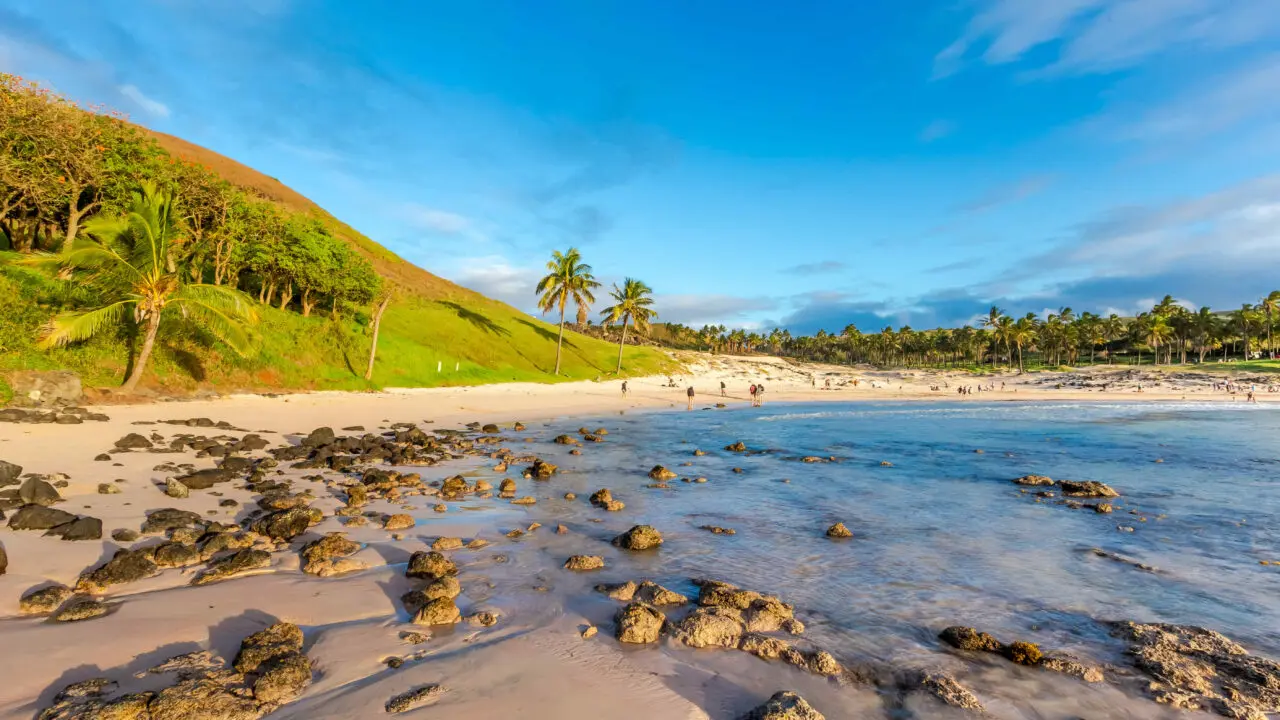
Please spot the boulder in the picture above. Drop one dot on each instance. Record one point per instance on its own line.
(175, 488)
(133, 441)
(567, 440)
(108, 489)
(639, 623)
(43, 601)
(945, 688)
(447, 543)
(541, 470)
(399, 521)
(583, 563)
(717, 594)
(1023, 653)
(205, 479)
(839, 531)
(236, 564)
(286, 524)
(438, 611)
(1034, 480)
(711, 627)
(319, 437)
(82, 528)
(202, 698)
(736, 447)
(176, 554)
(767, 614)
(966, 638)
(81, 608)
(39, 517)
(430, 565)
(658, 596)
(35, 491)
(273, 642)
(166, 519)
(125, 566)
(784, 706)
(660, 474)
(640, 537)
(414, 699)
(322, 557)
(282, 678)
(1086, 489)
(45, 388)
(9, 473)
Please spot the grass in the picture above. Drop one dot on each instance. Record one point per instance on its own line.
(423, 343)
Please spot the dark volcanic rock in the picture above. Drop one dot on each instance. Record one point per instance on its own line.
(285, 524)
(1086, 489)
(238, 563)
(966, 638)
(133, 441)
(429, 564)
(166, 519)
(38, 517)
(125, 566)
(640, 537)
(82, 528)
(36, 491)
(9, 473)
(319, 437)
(205, 479)
(414, 699)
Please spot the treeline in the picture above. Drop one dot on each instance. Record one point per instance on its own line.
(1168, 333)
(61, 164)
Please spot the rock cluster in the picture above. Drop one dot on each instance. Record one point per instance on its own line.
(1019, 652)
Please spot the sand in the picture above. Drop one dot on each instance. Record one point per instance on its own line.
(531, 664)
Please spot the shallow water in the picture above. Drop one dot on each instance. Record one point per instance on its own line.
(943, 537)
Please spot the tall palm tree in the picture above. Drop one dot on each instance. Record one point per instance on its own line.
(1205, 326)
(568, 278)
(1270, 305)
(129, 258)
(991, 322)
(632, 303)
(1024, 333)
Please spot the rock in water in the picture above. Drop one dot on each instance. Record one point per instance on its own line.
(966, 638)
(945, 688)
(1034, 480)
(640, 537)
(438, 611)
(839, 531)
(38, 492)
(1087, 489)
(711, 627)
(660, 474)
(414, 699)
(430, 565)
(639, 624)
(584, 562)
(1023, 653)
(784, 705)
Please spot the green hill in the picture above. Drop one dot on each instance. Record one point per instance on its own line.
(434, 333)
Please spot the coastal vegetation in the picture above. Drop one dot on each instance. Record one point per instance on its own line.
(1168, 334)
(236, 246)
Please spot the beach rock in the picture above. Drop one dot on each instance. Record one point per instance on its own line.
(202, 698)
(276, 641)
(1067, 665)
(80, 608)
(444, 587)
(324, 557)
(9, 473)
(566, 440)
(454, 487)
(125, 535)
(238, 563)
(583, 563)
(765, 647)
(1086, 489)
(447, 543)
(541, 470)
(839, 531)
(821, 662)
(966, 638)
(784, 705)
(507, 486)
(319, 438)
(285, 524)
(45, 388)
(1034, 480)
(622, 592)
(357, 495)
(36, 491)
(166, 519)
(490, 429)
(767, 614)
(639, 624)
(414, 699)
(945, 688)
(717, 530)
(717, 594)
(176, 554)
(43, 601)
(711, 627)
(133, 441)
(87, 700)
(282, 678)
(438, 611)
(124, 567)
(657, 595)
(736, 447)
(399, 521)
(640, 537)
(1023, 653)
(205, 479)
(82, 528)
(108, 489)
(222, 542)
(526, 500)
(174, 488)
(660, 474)
(430, 565)
(1198, 669)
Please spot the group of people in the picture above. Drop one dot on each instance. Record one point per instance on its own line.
(756, 391)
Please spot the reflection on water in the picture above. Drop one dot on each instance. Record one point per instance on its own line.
(942, 536)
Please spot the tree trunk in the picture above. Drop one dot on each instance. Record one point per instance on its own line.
(377, 325)
(286, 294)
(306, 302)
(153, 326)
(623, 342)
(560, 340)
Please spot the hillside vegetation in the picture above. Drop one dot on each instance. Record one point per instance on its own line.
(312, 279)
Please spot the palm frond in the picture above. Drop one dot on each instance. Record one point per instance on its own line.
(76, 326)
(217, 319)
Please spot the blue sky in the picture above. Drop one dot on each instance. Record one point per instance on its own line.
(806, 164)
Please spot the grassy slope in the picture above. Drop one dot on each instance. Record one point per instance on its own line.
(434, 323)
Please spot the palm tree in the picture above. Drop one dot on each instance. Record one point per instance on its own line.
(1205, 326)
(1024, 333)
(130, 259)
(567, 278)
(1246, 319)
(1271, 306)
(632, 303)
(991, 322)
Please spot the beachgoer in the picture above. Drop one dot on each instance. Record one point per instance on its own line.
(752, 392)
(690, 393)
(760, 394)
(624, 388)
(723, 393)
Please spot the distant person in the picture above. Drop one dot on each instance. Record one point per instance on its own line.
(760, 394)
(624, 388)
(723, 391)
(752, 392)
(690, 394)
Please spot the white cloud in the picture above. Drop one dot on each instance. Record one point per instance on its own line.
(1105, 35)
(150, 105)
(698, 309)
(496, 277)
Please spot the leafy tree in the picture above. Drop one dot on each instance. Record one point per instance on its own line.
(1270, 306)
(632, 302)
(568, 278)
(128, 259)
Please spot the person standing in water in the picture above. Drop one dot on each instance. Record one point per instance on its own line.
(690, 393)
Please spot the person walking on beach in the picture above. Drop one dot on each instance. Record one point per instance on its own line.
(723, 392)
(752, 392)
(624, 388)
(760, 395)
(690, 393)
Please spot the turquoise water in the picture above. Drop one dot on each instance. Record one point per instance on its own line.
(943, 537)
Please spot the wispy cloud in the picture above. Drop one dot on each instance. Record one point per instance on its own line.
(699, 309)
(149, 105)
(825, 267)
(1104, 35)
(1007, 194)
(496, 277)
